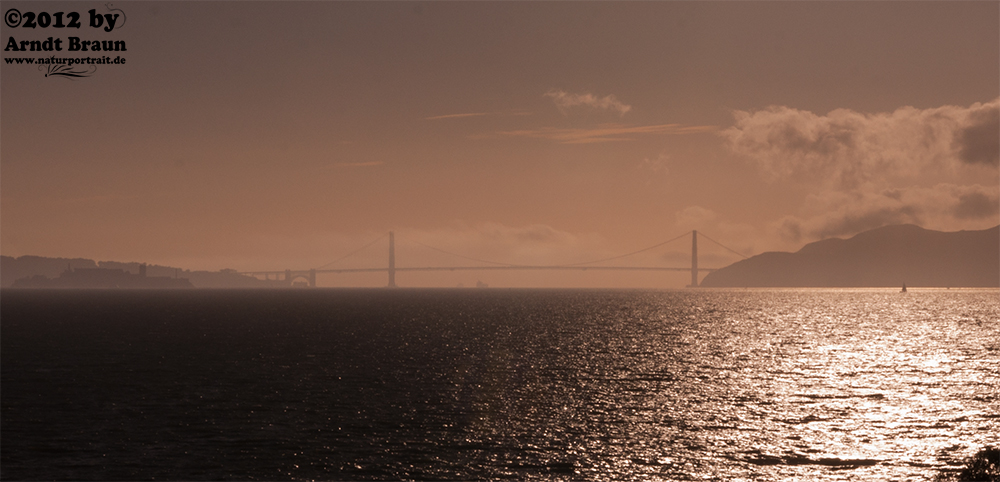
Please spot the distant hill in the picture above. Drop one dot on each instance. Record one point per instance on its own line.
(13, 269)
(888, 256)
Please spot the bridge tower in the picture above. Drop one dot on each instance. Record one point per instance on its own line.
(392, 260)
(694, 259)
(312, 278)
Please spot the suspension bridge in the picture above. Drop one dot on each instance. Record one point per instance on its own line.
(290, 276)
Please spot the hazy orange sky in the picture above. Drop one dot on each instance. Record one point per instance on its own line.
(273, 135)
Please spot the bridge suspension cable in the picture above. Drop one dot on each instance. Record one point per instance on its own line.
(723, 246)
(290, 275)
(513, 265)
(460, 256)
(558, 265)
(630, 254)
(352, 253)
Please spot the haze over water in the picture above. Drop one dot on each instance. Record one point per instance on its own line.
(490, 384)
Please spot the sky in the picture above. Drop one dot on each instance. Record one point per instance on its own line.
(287, 135)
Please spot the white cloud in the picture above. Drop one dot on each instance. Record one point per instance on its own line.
(945, 207)
(658, 166)
(565, 100)
(515, 113)
(846, 149)
(865, 171)
(602, 133)
(695, 217)
(456, 116)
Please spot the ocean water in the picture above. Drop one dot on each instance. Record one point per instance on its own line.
(377, 384)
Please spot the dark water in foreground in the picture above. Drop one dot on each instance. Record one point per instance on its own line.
(489, 384)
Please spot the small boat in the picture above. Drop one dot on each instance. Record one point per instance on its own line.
(904, 288)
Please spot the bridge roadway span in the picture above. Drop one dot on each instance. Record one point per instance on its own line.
(465, 268)
(310, 274)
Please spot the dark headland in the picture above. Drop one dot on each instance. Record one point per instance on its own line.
(888, 256)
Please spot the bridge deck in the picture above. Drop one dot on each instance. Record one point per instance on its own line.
(474, 268)
(391, 269)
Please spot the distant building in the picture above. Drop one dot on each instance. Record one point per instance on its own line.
(102, 278)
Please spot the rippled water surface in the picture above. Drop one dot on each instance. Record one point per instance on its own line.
(489, 384)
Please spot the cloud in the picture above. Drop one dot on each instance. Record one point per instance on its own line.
(977, 205)
(655, 166)
(979, 142)
(565, 100)
(479, 114)
(602, 133)
(456, 116)
(695, 217)
(865, 217)
(865, 171)
(846, 149)
(946, 207)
